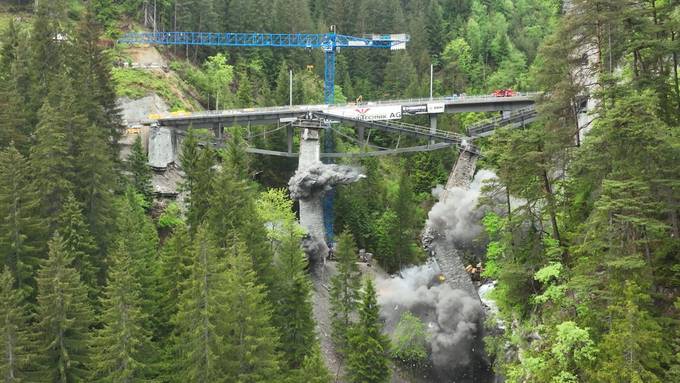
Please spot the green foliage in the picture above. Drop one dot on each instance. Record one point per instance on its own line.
(409, 340)
(122, 347)
(138, 235)
(52, 160)
(20, 228)
(313, 369)
(201, 312)
(171, 217)
(250, 339)
(64, 317)
(137, 83)
(344, 291)
(275, 207)
(79, 243)
(197, 164)
(14, 331)
(139, 169)
(573, 346)
(368, 360)
(291, 298)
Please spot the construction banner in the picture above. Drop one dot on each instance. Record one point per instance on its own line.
(437, 107)
(368, 112)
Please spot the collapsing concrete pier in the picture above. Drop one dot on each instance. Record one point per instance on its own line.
(309, 184)
(435, 242)
(311, 206)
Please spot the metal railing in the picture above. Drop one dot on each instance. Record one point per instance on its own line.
(322, 107)
(520, 116)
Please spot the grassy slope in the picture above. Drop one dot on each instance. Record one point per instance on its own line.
(137, 83)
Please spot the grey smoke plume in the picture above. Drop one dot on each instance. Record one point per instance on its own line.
(458, 217)
(319, 178)
(452, 316)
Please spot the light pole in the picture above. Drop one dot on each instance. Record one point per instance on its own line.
(431, 78)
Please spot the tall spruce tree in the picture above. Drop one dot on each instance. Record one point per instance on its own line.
(313, 369)
(47, 46)
(232, 214)
(21, 231)
(175, 259)
(198, 165)
(344, 291)
(368, 360)
(52, 163)
(292, 301)
(64, 317)
(250, 339)
(139, 170)
(122, 347)
(203, 305)
(97, 97)
(140, 238)
(79, 243)
(13, 121)
(18, 346)
(96, 180)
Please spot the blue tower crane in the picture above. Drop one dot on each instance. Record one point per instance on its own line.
(329, 42)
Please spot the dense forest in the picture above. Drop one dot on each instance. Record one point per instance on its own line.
(99, 282)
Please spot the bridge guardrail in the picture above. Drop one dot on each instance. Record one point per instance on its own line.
(477, 129)
(321, 107)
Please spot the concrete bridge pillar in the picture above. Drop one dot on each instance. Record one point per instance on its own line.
(362, 138)
(311, 209)
(506, 114)
(433, 127)
(289, 139)
(162, 147)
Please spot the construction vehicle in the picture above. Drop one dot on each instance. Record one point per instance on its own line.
(503, 93)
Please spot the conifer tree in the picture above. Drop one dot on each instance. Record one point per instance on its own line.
(232, 214)
(175, 270)
(13, 124)
(292, 301)
(140, 238)
(175, 259)
(368, 360)
(435, 28)
(20, 228)
(18, 347)
(313, 369)
(250, 339)
(64, 317)
(139, 169)
(407, 216)
(198, 165)
(80, 245)
(122, 346)
(47, 48)
(98, 99)
(52, 162)
(344, 291)
(282, 91)
(96, 180)
(203, 304)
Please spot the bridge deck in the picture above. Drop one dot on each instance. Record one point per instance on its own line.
(270, 115)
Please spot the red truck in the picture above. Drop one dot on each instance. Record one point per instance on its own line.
(503, 93)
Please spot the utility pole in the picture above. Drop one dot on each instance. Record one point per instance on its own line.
(290, 87)
(431, 78)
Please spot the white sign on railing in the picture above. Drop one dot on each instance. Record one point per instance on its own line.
(368, 113)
